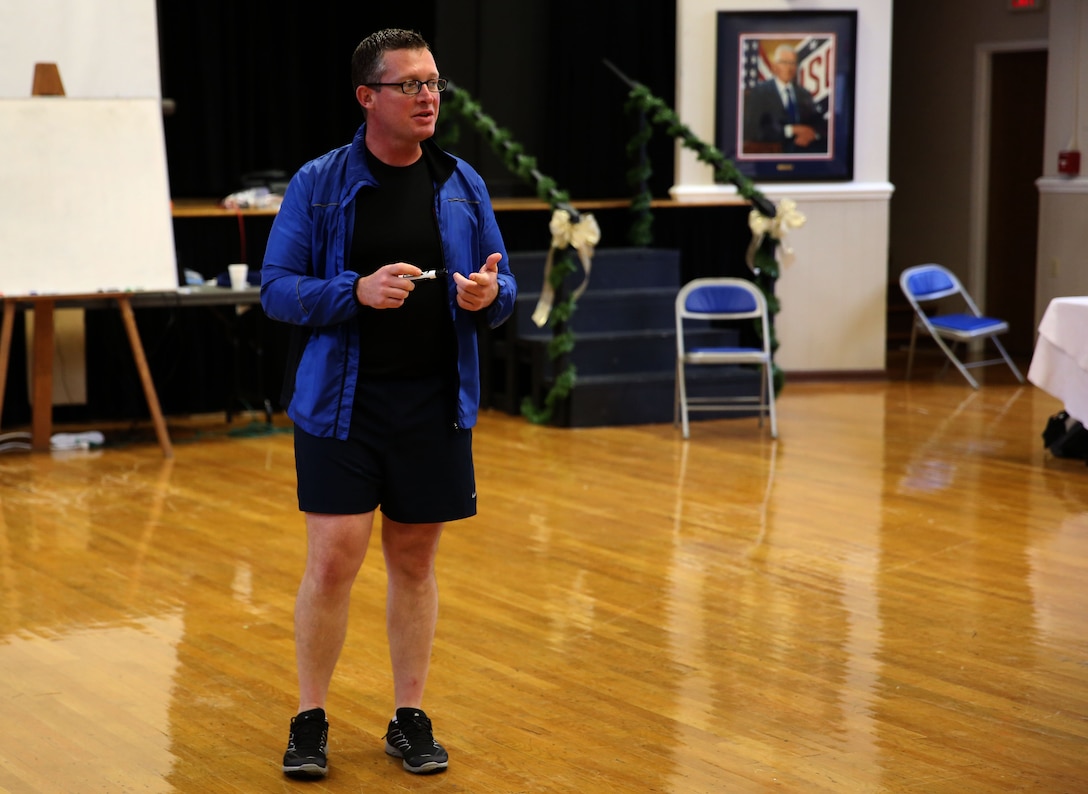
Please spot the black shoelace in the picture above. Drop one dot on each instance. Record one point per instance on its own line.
(413, 733)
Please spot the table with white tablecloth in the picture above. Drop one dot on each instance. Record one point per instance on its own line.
(1059, 365)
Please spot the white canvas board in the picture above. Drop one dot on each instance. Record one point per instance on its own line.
(85, 204)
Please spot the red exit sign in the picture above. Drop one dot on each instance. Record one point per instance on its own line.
(1026, 5)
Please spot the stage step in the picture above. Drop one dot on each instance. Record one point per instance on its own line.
(648, 397)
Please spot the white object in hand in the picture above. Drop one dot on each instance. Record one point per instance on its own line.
(426, 275)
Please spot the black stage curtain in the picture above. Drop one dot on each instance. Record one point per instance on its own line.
(266, 85)
(262, 85)
(589, 126)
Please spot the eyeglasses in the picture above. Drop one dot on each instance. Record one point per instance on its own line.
(436, 86)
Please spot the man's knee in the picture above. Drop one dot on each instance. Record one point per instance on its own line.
(410, 549)
(336, 549)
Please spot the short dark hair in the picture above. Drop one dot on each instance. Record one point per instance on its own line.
(368, 60)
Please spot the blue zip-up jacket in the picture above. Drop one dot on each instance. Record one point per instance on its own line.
(304, 280)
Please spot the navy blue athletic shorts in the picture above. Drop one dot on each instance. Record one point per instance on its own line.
(403, 454)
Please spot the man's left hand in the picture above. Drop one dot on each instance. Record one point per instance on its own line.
(479, 290)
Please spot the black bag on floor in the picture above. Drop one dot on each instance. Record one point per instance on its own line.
(1065, 437)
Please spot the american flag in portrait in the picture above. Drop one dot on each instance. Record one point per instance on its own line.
(815, 64)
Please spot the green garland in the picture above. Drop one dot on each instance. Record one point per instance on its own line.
(764, 260)
(638, 176)
(524, 167)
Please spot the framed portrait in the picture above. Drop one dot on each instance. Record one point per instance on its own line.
(785, 93)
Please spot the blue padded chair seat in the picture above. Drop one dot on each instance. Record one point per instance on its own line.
(967, 323)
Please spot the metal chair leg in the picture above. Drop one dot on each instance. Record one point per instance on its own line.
(1008, 359)
(910, 351)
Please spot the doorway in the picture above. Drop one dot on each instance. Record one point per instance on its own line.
(1014, 127)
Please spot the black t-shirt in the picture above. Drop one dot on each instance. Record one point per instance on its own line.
(395, 222)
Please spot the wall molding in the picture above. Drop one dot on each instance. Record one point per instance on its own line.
(830, 191)
(1060, 184)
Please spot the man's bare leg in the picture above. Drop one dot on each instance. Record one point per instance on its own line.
(411, 605)
(336, 548)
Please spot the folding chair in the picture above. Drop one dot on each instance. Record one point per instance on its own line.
(698, 304)
(924, 284)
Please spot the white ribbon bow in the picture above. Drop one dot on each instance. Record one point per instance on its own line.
(786, 217)
(583, 237)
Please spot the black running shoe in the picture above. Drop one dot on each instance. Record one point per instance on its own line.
(307, 746)
(410, 738)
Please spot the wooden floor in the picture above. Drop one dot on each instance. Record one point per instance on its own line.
(891, 598)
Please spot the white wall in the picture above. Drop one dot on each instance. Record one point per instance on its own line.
(834, 295)
(1063, 201)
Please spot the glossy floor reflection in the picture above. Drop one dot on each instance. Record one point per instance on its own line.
(888, 598)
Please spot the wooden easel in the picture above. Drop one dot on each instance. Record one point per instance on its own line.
(47, 82)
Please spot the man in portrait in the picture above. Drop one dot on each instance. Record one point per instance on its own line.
(780, 115)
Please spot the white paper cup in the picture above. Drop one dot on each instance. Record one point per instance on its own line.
(239, 276)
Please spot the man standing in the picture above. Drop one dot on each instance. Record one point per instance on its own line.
(780, 113)
(386, 254)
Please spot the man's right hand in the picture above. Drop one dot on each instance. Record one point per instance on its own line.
(803, 134)
(384, 288)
